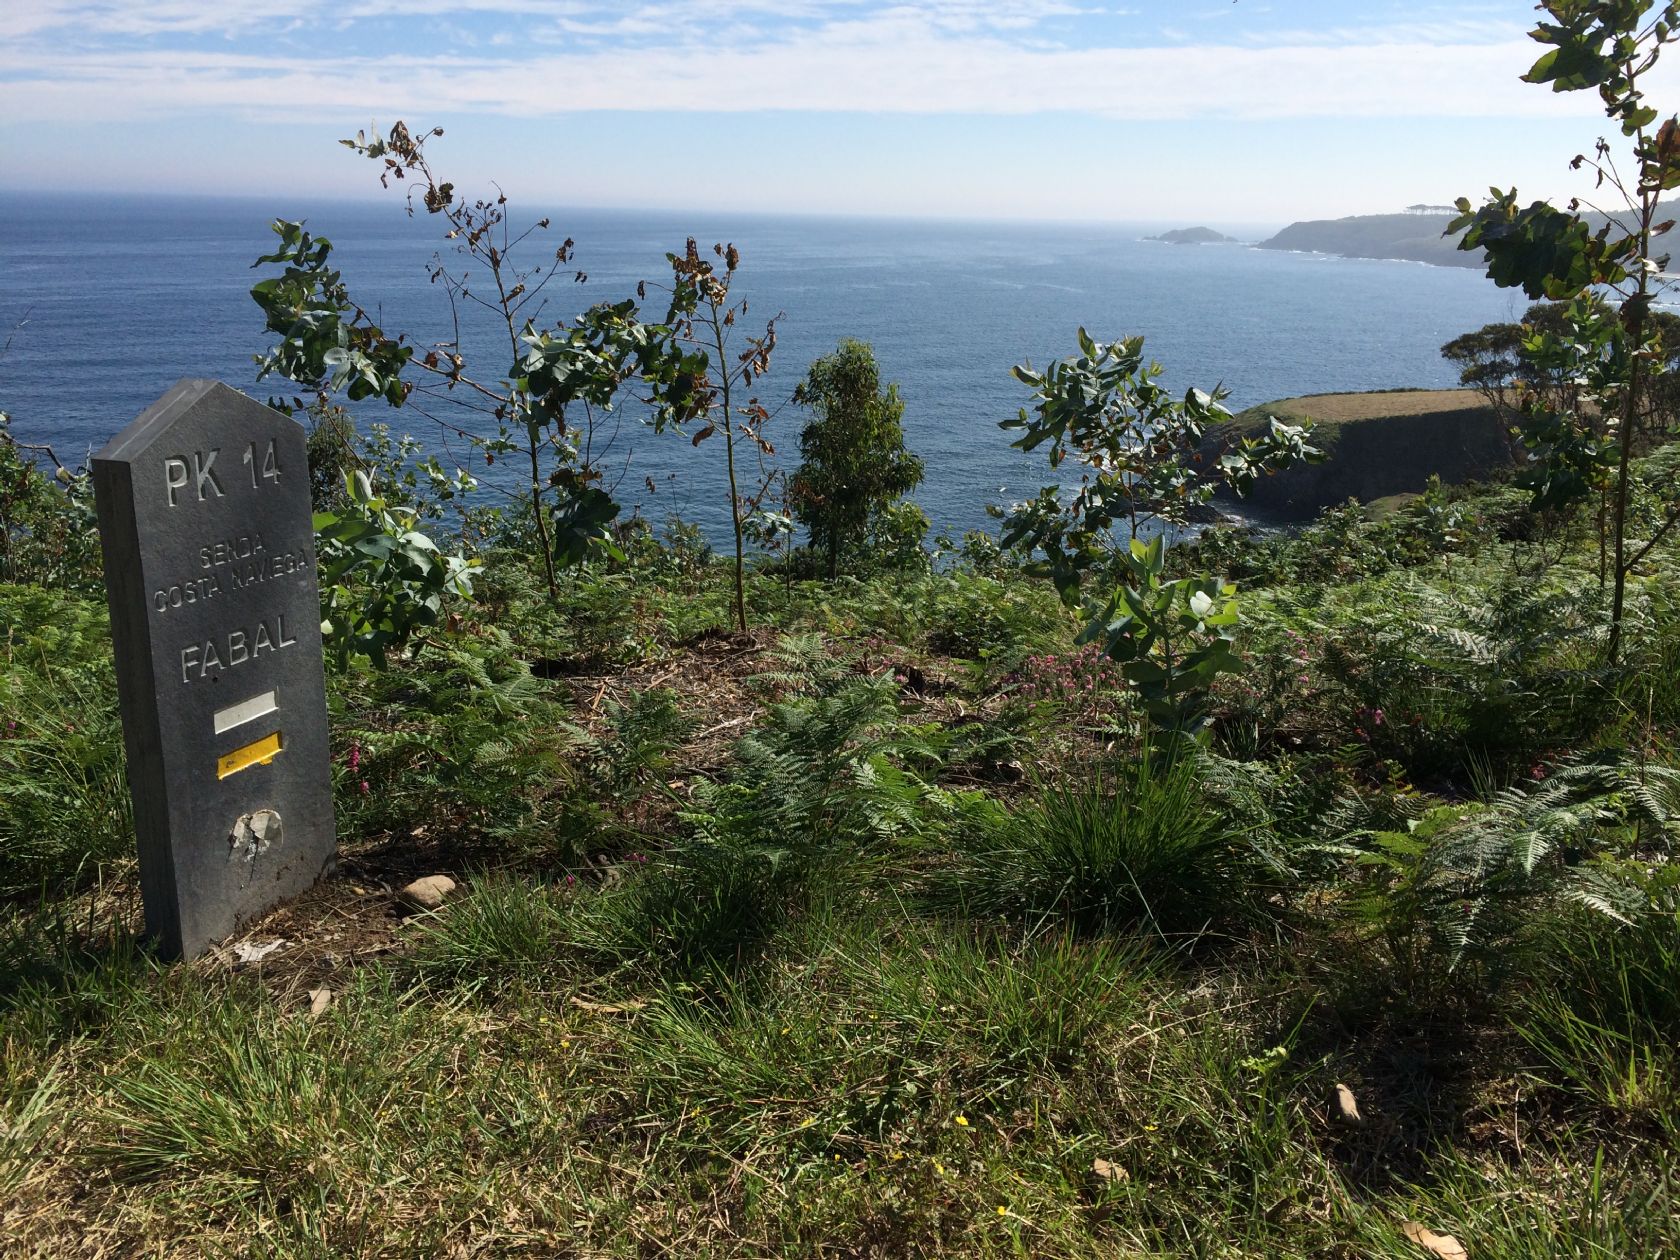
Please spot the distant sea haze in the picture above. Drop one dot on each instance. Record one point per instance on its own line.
(109, 301)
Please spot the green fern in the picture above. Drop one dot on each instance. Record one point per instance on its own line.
(801, 663)
(1462, 874)
(825, 771)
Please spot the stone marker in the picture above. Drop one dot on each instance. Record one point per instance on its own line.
(204, 515)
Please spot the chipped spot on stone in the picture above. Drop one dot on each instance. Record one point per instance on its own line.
(254, 834)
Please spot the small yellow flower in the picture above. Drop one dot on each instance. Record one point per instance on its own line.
(898, 1154)
(939, 1168)
(963, 1120)
(807, 1122)
(1149, 1128)
(1002, 1211)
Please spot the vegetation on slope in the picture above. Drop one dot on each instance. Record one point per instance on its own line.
(878, 931)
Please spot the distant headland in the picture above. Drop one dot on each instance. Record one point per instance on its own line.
(1417, 234)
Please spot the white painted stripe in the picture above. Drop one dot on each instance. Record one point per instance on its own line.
(246, 711)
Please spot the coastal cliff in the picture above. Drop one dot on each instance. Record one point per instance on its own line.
(1416, 236)
(1378, 444)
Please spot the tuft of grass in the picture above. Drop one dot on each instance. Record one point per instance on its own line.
(64, 804)
(702, 905)
(1020, 1006)
(28, 1105)
(1559, 1205)
(1603, 1026)
(502, 931)
(1145, 847)
(65, 975)
(245, 1126)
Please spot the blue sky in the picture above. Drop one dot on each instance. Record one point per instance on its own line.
(1195, 110)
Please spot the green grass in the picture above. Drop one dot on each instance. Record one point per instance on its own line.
(1603, 1030)
(1141, 845)
(64, 808)
(844, 941)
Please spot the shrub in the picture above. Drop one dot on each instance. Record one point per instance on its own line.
(48, 533)
(854, 461)
(644, 729)
(814, 787)
(1460, 685)
(383, 581)
(1464, 882)
(897, 536)
(465, 742)
(992, 620)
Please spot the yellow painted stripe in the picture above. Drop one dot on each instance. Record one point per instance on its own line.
(260, 753)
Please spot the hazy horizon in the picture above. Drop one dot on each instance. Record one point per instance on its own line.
(1251, 230)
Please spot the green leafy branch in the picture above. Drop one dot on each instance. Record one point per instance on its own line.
(382, 580)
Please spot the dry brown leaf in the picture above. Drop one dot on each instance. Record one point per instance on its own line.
(609, 1008)
(1109, 1171)
(250, 952)
(319, 1000)
(1442, 1246)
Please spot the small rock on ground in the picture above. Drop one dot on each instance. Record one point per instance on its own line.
(428, 892)
(1346, 1108)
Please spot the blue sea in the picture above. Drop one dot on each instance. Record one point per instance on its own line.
(109, 301)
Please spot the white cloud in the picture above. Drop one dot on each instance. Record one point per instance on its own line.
(975, 57)
(151, 18)
(883, 67)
